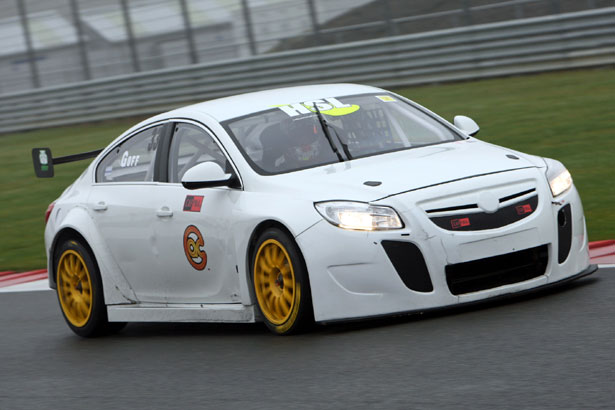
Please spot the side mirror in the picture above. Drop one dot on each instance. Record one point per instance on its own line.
(466, 124)
(207, 175)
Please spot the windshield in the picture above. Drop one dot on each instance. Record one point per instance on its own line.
(291, 137)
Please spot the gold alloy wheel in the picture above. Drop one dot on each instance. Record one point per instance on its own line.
(74, 288)
(274, 281)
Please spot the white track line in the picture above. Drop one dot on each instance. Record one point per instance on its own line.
(607, 265)
(37, 285)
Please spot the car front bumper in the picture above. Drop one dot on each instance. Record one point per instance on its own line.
(351, 275)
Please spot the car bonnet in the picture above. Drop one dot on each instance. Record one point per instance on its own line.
(379, 176)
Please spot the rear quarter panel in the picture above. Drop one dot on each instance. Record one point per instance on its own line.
(71, 212)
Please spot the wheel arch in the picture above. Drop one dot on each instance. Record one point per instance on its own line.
(256, 233)
(77, 223)
(67, 233)
(300, 314)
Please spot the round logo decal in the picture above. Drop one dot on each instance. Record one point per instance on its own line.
(194, 247)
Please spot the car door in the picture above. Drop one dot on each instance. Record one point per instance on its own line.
(123, 203)
(199, 263)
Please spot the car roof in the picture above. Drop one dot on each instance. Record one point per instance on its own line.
(226, 108)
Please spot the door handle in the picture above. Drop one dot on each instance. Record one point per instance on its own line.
(100, 206)
(165, 211)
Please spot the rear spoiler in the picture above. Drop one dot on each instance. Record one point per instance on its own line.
(44, 162)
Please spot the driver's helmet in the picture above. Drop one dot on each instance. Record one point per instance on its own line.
(304, 137)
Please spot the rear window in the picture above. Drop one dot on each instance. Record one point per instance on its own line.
(133, 160)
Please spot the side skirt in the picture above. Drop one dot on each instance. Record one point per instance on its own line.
(156, 312)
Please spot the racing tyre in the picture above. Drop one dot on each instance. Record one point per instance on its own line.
(80, 293)
(281, 284)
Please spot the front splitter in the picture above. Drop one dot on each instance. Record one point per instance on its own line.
(586, 272)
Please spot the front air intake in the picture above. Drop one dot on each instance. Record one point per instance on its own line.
(488, 273)
(410, 265)
(564, 233)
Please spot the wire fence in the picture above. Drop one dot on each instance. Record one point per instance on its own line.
(57, 42)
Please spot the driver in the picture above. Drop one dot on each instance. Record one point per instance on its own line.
(305, 137)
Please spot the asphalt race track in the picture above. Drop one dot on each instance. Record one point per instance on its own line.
(551, 350)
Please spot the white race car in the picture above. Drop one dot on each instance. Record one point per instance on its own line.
(300, 205)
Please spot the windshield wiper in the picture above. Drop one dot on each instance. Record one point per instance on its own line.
(342, 143)
(325, 129)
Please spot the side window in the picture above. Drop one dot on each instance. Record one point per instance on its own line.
(132, 160)
(191, 145)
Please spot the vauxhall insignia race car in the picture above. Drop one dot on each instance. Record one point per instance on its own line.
(306, 204)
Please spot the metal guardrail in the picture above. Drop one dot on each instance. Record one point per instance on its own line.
(564, 41)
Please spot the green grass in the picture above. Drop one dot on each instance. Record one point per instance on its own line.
(569, 116)
(24, 198)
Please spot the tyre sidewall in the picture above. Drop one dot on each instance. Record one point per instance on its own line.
(97, 321)
(302, 315)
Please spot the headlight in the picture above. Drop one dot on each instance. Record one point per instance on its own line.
(359, 215)
(558, 176)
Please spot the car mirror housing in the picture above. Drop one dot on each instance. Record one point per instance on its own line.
(466, 124)
(207, 175)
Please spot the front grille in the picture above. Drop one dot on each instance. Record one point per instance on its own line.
(478, 221)
(517, 195)
(410, 265)
(475, 206)
(497, 271)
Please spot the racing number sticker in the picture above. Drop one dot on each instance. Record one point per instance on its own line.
(194, 247)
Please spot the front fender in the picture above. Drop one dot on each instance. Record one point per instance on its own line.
(296, 215)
